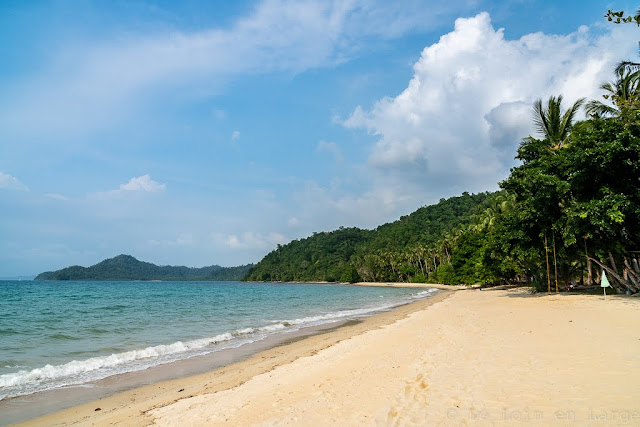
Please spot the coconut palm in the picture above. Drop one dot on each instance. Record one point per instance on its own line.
(624, 92)
(550, 122)
(627, 66)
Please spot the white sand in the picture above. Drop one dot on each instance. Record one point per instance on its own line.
(476, 357)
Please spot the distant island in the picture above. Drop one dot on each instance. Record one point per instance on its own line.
(126, 267)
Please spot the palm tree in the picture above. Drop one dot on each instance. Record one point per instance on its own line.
(627, 66)
(624, 92)
(551, 122)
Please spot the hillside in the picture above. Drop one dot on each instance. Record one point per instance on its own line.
(566, 215)
(126, 267)
(353, 254)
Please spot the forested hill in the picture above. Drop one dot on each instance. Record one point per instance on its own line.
(569, 212)
(126, 267)
(353, 254)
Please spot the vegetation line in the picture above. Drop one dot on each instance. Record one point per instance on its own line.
(578, 182)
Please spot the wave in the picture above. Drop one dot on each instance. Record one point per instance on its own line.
(351, 313)
(424, 294)
(79, 372)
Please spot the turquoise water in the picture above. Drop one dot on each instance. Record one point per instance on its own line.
(56, 334)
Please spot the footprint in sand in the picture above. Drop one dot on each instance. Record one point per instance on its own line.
(410, 408)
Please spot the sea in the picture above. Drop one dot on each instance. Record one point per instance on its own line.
(56, 335)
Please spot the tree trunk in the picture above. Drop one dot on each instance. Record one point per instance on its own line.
(623, 285)
(555, 261)
(613, 262)
(546, 251)
(632, 276)
(589, 269)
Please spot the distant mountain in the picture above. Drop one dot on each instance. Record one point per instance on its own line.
(126, 267)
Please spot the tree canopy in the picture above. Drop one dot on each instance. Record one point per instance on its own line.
(573, 203)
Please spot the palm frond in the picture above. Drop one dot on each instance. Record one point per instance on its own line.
(599, 109)
(551, 122)
(568, 117)
(539, 118)
(626, 66)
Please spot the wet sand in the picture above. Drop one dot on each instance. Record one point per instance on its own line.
(130, 406)
(469, 357)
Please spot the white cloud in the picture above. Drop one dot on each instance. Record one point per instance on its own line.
(250, 240)
(508, 123)
(235, 135)
(331, 148)
(56, 196)
(91, 86)
(458, 123)
(140, 184)
(9, 182)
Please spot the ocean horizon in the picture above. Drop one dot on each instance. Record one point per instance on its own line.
(57, 334)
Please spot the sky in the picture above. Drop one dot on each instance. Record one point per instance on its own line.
(208, 132)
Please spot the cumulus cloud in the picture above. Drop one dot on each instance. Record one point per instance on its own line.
(9, 182)
(508, 123)
(457, 124)
(140, 184)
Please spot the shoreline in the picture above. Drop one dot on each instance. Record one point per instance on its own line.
(485, 358)
(44, 403)
(270, 354)
(412, 285)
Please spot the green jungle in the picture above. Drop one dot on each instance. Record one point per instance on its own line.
(568, 212)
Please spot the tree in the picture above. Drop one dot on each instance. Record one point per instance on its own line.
(604, 208)
(617, 17)
(624, 93)
(536, 185)
(550, 122)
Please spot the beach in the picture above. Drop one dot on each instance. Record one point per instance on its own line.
(460, 357)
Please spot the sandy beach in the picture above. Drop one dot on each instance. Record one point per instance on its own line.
(412, 285)
(467, 357)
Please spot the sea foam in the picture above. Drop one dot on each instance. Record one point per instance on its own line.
(81, 372)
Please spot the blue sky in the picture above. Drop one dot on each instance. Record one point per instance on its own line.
(207, 132)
